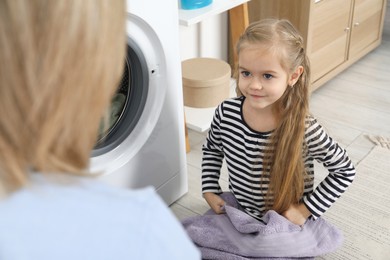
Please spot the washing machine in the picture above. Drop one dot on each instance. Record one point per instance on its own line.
(142, 143)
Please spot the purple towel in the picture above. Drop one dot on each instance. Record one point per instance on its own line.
(236, 235)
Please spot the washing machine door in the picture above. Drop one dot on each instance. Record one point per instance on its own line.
(127, 104)
(143, 144)
(138, 103)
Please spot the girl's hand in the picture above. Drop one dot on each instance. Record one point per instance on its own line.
(215, 202)
(297, 214)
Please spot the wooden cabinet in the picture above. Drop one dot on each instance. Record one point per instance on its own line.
(337, 33)
(329, 36)
(366, 26)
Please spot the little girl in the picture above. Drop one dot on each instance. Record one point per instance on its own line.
(267, 136)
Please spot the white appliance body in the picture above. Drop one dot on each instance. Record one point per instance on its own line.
(151, 149)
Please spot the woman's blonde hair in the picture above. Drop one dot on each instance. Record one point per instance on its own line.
(60, 63)
(284, 158)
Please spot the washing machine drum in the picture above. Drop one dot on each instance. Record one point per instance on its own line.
(127, 104)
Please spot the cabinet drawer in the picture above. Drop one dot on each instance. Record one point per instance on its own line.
(366, 25)
(330, 23)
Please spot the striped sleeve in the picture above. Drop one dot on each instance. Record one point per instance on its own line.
(335, 159)
(213, 155)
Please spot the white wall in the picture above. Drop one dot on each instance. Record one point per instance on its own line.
(208, 38)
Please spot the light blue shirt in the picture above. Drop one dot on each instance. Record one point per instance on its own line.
(86, 219)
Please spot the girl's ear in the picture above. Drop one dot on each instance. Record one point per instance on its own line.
(295, 76)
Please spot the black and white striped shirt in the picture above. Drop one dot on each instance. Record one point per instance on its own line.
(231, 138)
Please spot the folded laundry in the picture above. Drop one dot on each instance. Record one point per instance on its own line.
(236, 235)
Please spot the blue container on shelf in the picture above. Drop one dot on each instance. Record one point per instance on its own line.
(194, 4)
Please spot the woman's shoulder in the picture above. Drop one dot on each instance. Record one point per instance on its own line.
(89, 208)
(142, 199)
(76, 191)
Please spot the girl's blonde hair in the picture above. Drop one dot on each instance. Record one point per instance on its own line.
(60, 63)
(284, 158)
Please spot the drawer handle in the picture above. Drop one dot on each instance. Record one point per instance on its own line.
(356, 24)
(347, 29)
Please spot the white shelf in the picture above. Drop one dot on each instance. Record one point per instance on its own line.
(189, 17)
(199, 119)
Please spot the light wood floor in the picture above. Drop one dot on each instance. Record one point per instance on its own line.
(354, 104)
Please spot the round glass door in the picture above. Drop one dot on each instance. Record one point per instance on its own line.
(127, 104)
